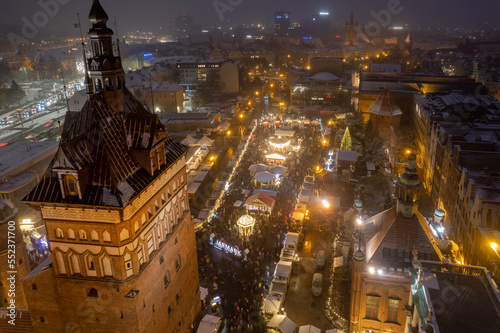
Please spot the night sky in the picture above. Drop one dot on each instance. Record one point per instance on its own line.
(152, 14)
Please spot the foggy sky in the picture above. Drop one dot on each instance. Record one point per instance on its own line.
(152, 14)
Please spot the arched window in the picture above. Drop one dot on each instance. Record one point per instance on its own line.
(59, 233)
(71, 233)
(90, 266)
(124, 234)
(143, 219)
(163, 198)
(106, 236)
(75, 263)
(109, 84)
(82, 234)
(70, 188)
(94, 235)
(157, 205)
(136, 226)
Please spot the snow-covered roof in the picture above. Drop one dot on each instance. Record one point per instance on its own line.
(324, 76)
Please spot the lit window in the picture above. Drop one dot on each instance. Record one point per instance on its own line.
(372, 304)
(392, 314)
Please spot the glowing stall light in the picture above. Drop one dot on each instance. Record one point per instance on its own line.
(371, 270)
(380, 271)
(325, 203)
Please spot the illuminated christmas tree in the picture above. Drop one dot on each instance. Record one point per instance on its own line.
(346, 143)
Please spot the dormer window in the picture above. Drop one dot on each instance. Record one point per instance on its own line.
(70, 185)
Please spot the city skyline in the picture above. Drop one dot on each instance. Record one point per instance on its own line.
(153, 15)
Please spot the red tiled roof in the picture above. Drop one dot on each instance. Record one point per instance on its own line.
(262, 197)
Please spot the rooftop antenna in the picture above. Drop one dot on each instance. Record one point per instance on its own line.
(151, 91)
(87, 79)
(65, 91)
(117, 41)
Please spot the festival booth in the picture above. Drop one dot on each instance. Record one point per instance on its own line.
(284, 133)
(272, 305)
(282, 323)
(209, 324)
(309, 329)
(189, 141)
(279, 144)
(205, 142)
(260, 202)
(278, 288)
(256, 168)
(283, 270)
(291, 243)
(263, 178)
(278, 170)
(276, 158)
(245, 225)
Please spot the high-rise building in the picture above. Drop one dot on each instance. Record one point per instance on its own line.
(281, 23)
(115, 207)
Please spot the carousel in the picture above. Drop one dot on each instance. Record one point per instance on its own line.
(246, 225)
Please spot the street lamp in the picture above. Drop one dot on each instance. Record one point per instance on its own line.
(494, 246)
(325, 203)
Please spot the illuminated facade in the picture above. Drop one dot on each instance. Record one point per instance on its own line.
(115, 207)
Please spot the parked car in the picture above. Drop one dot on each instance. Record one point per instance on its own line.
(317, 284)
(320, 259)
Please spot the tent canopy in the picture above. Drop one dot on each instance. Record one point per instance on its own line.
(276, 156)
(189, 140)
(309, 329)
(264, 177)
(272, 304)
(256, 168)
(283, 323)
(278, 170)
(209, 324)
(205, 141)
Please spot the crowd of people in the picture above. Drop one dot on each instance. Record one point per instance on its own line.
(242, 283)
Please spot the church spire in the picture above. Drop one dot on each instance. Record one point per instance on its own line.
(105, 67)
(408, 189)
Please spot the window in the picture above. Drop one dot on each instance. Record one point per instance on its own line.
(92, 293)
(124, 234)
(151, 244)
(82, 234)
(178, 297)
(178, 262)
(372, 303)
(91, 263)
(140, 256)
(33, 286)
(70, 185)
(176, 240)
(128, 264)
(136, 226)
(20, 261)
(59, 233)
(170, 309)
(166, 279)
(42, 319)
(94, 235)
(161, 259)
(106, 236)
(392, 313)
(71, 234)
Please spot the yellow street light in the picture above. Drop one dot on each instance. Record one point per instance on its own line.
(228, 132)
(324, 142)
(325, 203)
(494, 245)
(408, 151)
(271, 85)
(256, 93)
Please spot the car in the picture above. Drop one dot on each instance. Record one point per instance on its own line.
(317, 284)
(320, 259)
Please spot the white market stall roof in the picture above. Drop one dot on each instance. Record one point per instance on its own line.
(270, 193)
(189, 140)
(278, 170)
(283, 323)
(276, 156)
(224, 126)
(291, 239)
(272, 304)
(205, 141)
(283, 269)
(309, 329)
(284, 133)
(246, 221)
(258, 168)
(193, 188)
(347, 155)
(208, 324)
(264, 177)
(278, 287)
(279, 142)
(262, 197)
(200, 176)
(204, 214)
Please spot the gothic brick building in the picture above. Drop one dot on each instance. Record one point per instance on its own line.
(382, 261)
(115, 207)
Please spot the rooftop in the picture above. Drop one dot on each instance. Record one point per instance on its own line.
(21, 153)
